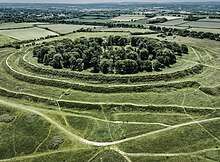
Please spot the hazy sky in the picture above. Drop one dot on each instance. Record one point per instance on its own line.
(95, 1)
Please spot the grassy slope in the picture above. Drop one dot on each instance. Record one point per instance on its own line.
(5, 40)
(184, 139)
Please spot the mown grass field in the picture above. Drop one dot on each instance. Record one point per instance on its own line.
(174, 22)
(27, 34)
(202, 24)
(132, 30)
(4, 26)
(128, 18)
(42, 120)
(63, 28)
(5, 40)
(205, 30)
(90, 19)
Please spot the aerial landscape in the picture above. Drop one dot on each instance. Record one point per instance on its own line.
(109, 81)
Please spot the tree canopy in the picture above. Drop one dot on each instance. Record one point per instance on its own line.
(113, 54)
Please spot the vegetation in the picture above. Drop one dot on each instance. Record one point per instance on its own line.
(114, 55)
(106, 94)
(27, 34)
(186, 33)
(193, 18)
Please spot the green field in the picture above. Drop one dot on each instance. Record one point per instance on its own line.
(63, 28)
(5, 40)
(205, 30)
(90, 20)
(128, 18)
(174, 22)
(26, 34)
(86, 34)
(4, 26)
(132, 30)
(201, 24)
(209, 20)
(45, 116)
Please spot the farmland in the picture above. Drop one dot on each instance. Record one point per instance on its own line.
(169, 18)
(132, 30)
(5, 40)
(128, 18)
(26, 34)
(175, 22)
(205, 30)
(63, 28)
(63, 98)
(201, 24)
(5, 26)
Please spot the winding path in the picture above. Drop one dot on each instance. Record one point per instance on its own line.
(85, 141)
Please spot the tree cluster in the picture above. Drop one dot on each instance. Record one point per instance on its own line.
(109, 55)
(193, 18)
(158, 20)
(186, 33)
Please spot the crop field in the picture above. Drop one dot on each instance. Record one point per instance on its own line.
(63, 28)
(132, 30)
(205, 30)
(90, 20)
(128, 18)
(87, 35)
(209, 20)
(201, 24)
(4, 26)
(54, 115)
(174, 22)
(5, 40)
(26, 34)
(167, 17)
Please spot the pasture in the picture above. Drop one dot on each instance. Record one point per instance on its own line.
(27, 34)
(205, 30)
(4, 26)
(174, 22)
(5, 40)
(63, 28)
(169, 18)
(202, 24)
(132, 30)
(128, 18)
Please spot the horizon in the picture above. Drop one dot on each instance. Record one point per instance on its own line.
(105, 1)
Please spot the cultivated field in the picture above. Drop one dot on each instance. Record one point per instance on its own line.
(5, 40)
(175, 22)
(90, 20)
(4, 26)
(167, 17)
(26, 34)
(62, 115)
(202, 24)
(63, 28)
(209, 20)
(132, 30)
(86, 34)
(205, 30)
(128, 18)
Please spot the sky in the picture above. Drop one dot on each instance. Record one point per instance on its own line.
(97, 1)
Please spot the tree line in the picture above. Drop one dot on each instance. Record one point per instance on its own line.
(186, 33)
(109, 55)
